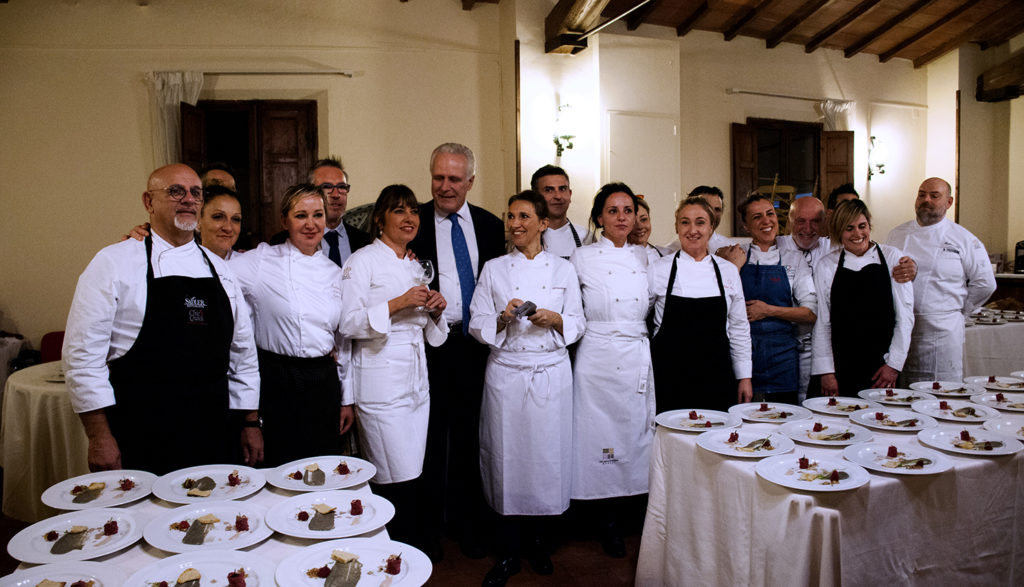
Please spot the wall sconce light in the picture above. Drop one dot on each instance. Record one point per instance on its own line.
(878, 157)
(562, 137)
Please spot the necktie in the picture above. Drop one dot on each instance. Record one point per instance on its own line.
(333, 253)
(464, 266)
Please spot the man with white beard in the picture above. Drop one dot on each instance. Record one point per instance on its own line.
(159, 352)
(956, 278)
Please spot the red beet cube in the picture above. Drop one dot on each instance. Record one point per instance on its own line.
(805, 463)
(394, 565)
(965, 435)
(241, 524)
(357, 508)
(879, 416)
(763, 408)
(943, 405)
(893, 453)
(302, 516)
(236, 578)
(818, 427)
(936, 385)
(110, 528)
(733, 437)
(693, 415)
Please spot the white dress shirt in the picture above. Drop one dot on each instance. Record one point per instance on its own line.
(344, 244)
(295, 301)
(559, 241)
(696, 279)
(902, 299)
(108, 308)
(448, 274)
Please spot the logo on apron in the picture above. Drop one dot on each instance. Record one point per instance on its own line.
(196, 310)
(608, 455)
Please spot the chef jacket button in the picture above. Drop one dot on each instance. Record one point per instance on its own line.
(616, 299)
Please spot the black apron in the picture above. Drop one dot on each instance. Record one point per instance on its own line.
(300, 401)
(171, 387)
(690, 353)
(863, 321)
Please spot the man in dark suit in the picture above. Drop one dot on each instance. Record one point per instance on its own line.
(340, 240)
(459, 238)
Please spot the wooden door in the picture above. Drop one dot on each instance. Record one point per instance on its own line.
(287, 139)
(836, 159)
(744, 170)
(193, 136)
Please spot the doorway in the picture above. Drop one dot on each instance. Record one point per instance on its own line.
(270, 145)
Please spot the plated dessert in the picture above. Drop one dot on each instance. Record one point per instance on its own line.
(955, 411)
(324, 473)
(225, 568)
(825, 432)
(79, 535)
(696, 420)
(898, 459)
(894, 397)
(946, 388)
(211, 525)
(971, 441)
(330, 514)
(744, 443)
(996, 383)
(838, 406)
(893, 420)
(102, 489)
(67, 574)
(208, 483)
(798, 471)
(352, 561)
(1010, 402)
(768, 412)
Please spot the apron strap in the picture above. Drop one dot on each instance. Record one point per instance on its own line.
(575, 236)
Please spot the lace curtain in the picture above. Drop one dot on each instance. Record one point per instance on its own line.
(168, 89)
(833, 113)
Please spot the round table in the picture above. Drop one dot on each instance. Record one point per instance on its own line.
(41, 440)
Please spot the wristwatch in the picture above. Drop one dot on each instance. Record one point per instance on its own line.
(257, 423)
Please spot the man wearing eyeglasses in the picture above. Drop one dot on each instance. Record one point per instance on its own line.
(159, 352)
(340, 239)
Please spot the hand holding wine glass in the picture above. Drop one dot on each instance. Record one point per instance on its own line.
(423, 274)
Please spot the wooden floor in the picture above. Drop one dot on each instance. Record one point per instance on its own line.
(577, 562)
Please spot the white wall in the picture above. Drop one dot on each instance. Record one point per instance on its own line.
(75, 145)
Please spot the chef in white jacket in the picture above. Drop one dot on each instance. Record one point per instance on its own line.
(613, 384)
(526, 415)
(387, 315)
(954, 279)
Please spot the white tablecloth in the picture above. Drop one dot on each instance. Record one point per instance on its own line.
(712, 521)
(10, 347)
(42, 441)
(994, 350)
(276, 548)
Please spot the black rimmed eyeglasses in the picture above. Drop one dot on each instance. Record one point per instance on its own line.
(177, 192)
(341, 187)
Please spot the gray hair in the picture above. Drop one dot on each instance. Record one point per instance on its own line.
(331, 161)
(456, 149)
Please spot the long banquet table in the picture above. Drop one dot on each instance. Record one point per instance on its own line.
(712, 521)
(276, 548)
(994, 349)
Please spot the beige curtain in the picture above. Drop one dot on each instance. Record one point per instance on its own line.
(168, 89)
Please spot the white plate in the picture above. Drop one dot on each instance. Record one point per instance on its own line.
(680, 420)
(30, 546)
(948, 388)
(944, 438)
(360, 471)
(900, 397)
(1017, 374)
(931, 408)
(213, 565)
(782, 470)
(718, 441)
(1001, 383)
(868, 418)
(1012, 402)
(373, 554)
(102, 574)
(874, 455)
(843, 405)
(989, 322)
(59, 495)
(223, 535)
(803, 431)
(377, 511)
(1007, 426)
(752, 412)
(169, 486)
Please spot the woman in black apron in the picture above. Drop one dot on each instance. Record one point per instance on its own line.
(865, 333)
(295, 295)
(692, 352)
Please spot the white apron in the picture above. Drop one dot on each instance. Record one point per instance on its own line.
(936, 348)
(392, 404)
(525, 432)
(613, 411)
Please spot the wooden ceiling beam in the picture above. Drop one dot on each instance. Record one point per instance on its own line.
(993, 19)
(889, 54)
(1002, 82)
(839, 24)
(695, 16)
(637, 18)
(744, 17)
(1009, 31)
(873, 36)
(567, 21)
(792, 21)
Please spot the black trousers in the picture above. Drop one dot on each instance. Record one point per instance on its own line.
(451, 469)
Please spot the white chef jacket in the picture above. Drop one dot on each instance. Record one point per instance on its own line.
(613, 382)
(526, 412)
(902, 298)
(110, 303)
(654, 253)
(295, 301)
(696, 279)
(448, 274)
(811, 256)
(388, 370)
(804, 331)
(559, 241)
(954, 273)
(716, 242)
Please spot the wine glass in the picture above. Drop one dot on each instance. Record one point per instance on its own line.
(423, 274)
